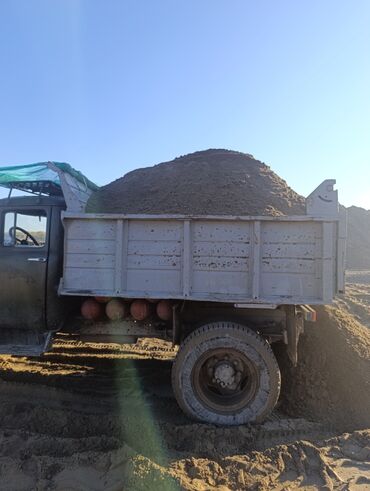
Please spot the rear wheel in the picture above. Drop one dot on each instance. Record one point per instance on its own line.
(225, 373)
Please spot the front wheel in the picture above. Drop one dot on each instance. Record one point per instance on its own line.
(226, 374)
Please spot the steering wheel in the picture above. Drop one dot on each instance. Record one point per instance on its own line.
(12, 231)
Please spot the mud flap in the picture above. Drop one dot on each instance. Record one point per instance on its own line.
(294, 328)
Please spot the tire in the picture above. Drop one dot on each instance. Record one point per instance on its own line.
(224, 373)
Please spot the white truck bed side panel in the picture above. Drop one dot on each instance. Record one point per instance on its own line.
(220, 257)
(231, 259)
(154, 257)
(291, 260)
(89, 254)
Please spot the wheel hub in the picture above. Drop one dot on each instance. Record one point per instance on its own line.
(224, 374)
(225, 379)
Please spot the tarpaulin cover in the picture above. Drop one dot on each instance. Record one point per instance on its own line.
(23, 176)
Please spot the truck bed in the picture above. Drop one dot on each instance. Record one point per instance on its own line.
(244, 260)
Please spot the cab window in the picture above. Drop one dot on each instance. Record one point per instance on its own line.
(25, 228)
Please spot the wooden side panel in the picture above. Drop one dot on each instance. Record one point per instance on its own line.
(92, 229)
(142, 283)
(291, 260)
(154, 257)
(98, 261)
(220, 258)
(267, 261)
(89, 258)
(89, 280)
(87, 246)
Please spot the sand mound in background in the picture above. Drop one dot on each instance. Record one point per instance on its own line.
(213, 182)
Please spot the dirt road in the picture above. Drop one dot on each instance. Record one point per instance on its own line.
(92, 417)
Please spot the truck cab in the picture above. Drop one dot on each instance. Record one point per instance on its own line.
(31, 253)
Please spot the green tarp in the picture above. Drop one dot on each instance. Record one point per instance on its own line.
(32, 176)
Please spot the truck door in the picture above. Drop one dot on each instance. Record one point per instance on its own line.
(23, 267)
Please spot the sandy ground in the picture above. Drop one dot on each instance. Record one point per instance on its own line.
(93, 417)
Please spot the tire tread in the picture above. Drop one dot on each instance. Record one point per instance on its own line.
(201, 334)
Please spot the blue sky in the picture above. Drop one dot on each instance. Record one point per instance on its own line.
(109, 86)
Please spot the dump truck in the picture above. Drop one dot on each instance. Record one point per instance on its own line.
(236, 285)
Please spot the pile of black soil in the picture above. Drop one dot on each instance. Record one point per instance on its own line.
(210, 182)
